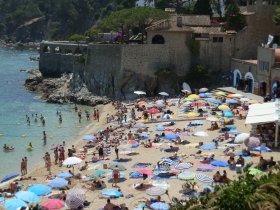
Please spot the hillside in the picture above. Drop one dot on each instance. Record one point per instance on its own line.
(35, 20)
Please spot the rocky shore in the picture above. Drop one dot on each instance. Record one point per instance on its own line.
(59, 90)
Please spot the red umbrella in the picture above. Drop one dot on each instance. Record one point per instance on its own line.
(153, 111)
(145, 171)
(53, 204)
(197, 104)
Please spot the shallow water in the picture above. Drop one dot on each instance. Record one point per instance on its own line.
(16, 102)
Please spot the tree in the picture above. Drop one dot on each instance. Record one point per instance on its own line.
(217, 7)
(93, 34)
(77, 38)
(181, 6)
(235, 20)
(276, 17)
(203, 7)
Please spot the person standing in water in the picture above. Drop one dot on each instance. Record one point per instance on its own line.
(80, 115)
(55, 156)
(60, 118)
(25, 165)
(97, 115)
(76, 108)
(44, 137)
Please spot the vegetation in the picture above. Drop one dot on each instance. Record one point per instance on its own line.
(235, 20)
(77, 38)
(194, 47)
(198, 75)
(276, 17)
(203, 7)
(248, 192)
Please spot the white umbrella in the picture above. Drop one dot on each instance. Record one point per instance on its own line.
(186, 88)
(163, 94)
(201, 134)
(75, 198)
(203, 90)
(244, 99)
(139, 92)
(72, 161)
(212, 119)
(241, 138)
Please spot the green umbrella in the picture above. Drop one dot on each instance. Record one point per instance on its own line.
(186, 175)
(254, 171)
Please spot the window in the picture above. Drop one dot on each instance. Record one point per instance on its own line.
(218, 39)
(264, 65)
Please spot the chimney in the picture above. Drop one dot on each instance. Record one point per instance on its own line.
(179, 21)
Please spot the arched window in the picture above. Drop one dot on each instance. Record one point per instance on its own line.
(158, 39)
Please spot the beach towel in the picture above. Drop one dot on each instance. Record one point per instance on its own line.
(141, 165)
(123, 160)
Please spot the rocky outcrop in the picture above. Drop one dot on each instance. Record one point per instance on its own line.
(58, 90)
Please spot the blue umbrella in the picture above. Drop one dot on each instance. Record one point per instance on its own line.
(203, 95)
(89, 138)
(40, 189)
(208, 187)
(160, 128)
(232, 101)
(170, 136)
(219, 163)
(167, 116)
(159, 206)
(57, 182)
(28, 196)
(14, 204)
(64, 175)
(213, 101)
(99, 172)
(100, 131)
(2, 199)
(262, 149)
(207, 147)
(228, 113)
(9, 176)
(197, 122)
(111, 192)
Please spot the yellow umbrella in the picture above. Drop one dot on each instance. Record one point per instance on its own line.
(188, 99)
(220, 93)
(194, 96)
(193, 114)
(224, 119)
(223, 107)
(142, 120)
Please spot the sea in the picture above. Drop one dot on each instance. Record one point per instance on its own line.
(16, 102)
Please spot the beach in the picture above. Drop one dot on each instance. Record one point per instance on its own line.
(187, 153)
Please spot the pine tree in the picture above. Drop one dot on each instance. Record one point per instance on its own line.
(235, 20)
(203, 7)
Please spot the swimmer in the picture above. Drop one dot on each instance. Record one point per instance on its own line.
(44, 137)
(30, 145)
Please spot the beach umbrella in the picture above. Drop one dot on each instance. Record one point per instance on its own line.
(254, 171)
(186, 175)
(53, 204)
(159, 206)
(212, 119)
(228, 113)
(145, 171)
(213, 101)
(208, 187)
(219, 163)
(161, 184)
(75, 198)
(72, 161)
(139, 125)
(223, 107)
(155, 191)
(28, 196)
(206, 168)
(182, 166)
(170, 136)
(2, 199)
(153, 111)
(220, 93)
(194, 96)
(133, 142)
(14, 204)
(65, 175)
(244, 99)
(99, 172)
(235, 95)
(207, 146)
(201, 134)
(160, 128)
(240, 138)
(9, 177)
(224, 119)
(100, 131)
(199, 104)
(40, 189)
(203, 95)
(204, 178)
(197, 122)
(234, 132)
(139, 92)
(167, 116)
(163, 94)
(89, 138)
(111, 192)
(262, 149)
(183, 134)
(57, 183)
(193, 114)
(122, 175)
(232, 101)
(203, 90)
(125, 146)
(118, 165)
(252, 142)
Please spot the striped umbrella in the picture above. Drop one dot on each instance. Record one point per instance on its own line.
(155, 191)
(204, 178)
(182, 166)
(252, 142)
(186, 175)
(75, 198)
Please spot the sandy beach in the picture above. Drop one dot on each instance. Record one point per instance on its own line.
(187, 153)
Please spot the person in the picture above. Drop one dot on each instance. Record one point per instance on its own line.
(101, 152)
(94, 158)
(240, 161)
(117, 151)
(48, 164)
(60, 118)
(70, 153)
(22, 167)
(217, 177)
(271, 162)
(84, 167)
(30, 145)
(73, 149)
(262, 165)
(109, 205)
(97, 115)
(115, 175)
(224, 177)
(149, 144)
(129, 135)
(80, 115)
(55, 155)
(231, 162)
(94, 114)
(44, 137)
(76, 108)
(25, 165)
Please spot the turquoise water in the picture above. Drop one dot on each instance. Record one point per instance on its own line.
(16, 102)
